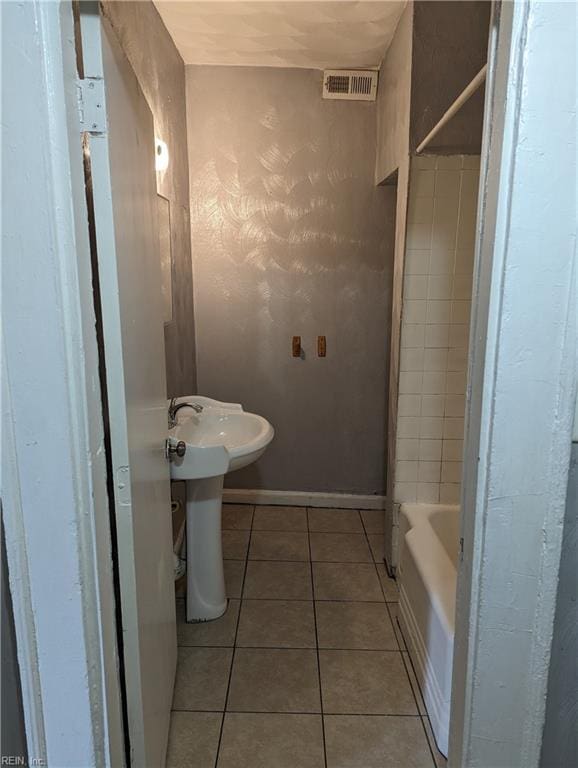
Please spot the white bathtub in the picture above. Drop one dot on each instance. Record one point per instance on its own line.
(427, 574)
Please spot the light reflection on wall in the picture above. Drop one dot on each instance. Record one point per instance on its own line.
(161, 155)
(291, 237)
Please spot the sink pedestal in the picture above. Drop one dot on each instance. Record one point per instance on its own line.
(206, 598)
(208, 440)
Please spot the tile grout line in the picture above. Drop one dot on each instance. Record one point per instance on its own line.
(410, 685)
(408, 664)
(295, 647)
(298, 712)
(399, 649)
(422, 718)
(396, 629)
(321, 562)
(316, 640)
(405, 663)
(380, 583)
(354, 532)
(303, 599)
(234, 640)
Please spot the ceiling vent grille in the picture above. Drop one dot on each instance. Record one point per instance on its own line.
(353, 84)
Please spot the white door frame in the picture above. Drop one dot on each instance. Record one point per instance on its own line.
(53, 485)
(521, 389)
(54, 496)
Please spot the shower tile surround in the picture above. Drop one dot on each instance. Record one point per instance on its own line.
(306, 669)
(437, 290)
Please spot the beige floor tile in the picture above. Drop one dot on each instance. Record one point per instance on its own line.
(439, 759)
(271, 741)
(202, 677)
(354, 625)
(279, 545)
(389, 585)
(376, 742)
(280, 519)
(325, 520)
(414, 684)
(278, 580)
(220, 631)
(373, 520)
(339, 548)
(265, 680)
(235, 544)
(193, 739)
(237, 517)
(234, 572)
(365, 683)
(346, 581)
(276, 624)
(377, 546)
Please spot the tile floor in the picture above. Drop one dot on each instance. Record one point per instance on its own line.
(307, 668)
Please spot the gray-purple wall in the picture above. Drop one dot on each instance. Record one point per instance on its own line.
(450, 46)
(290, 236)
(394, 101)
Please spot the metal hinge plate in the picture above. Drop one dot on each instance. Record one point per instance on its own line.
(91, 105)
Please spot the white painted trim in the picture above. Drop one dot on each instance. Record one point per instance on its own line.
(521, 390)
(302, 499)
(22, 605)
(54, 499)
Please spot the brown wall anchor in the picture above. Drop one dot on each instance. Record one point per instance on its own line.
(321, 346)
(296, 346)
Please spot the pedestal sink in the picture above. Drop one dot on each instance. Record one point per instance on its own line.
(219, 439)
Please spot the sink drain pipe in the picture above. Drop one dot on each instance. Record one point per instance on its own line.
(180, 545)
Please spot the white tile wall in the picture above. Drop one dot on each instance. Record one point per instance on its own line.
(429, 450)
(435, 327)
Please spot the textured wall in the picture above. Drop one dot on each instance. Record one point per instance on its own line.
(437, 292)
(161, 75)
(393, 100)
(291, 237)
(450, 41)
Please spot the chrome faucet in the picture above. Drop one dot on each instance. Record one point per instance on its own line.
(175, 407)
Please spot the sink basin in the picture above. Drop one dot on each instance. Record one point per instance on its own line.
(219, 439)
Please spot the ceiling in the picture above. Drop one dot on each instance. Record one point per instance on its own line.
(316, 35)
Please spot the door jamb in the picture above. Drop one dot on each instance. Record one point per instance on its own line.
(511, 280)
(55, 505)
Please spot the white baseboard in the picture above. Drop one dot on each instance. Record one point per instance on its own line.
(302, 499)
